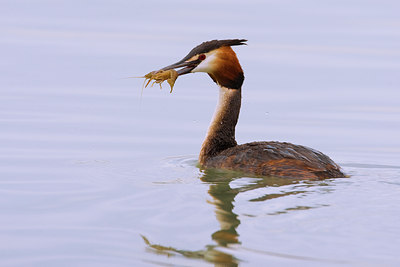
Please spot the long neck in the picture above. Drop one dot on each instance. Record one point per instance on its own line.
(221, 133)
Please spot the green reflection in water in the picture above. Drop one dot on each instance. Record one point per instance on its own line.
(223, 196)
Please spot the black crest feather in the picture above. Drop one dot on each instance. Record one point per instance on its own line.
(211, 45)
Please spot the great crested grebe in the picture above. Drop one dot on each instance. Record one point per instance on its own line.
(219, 149)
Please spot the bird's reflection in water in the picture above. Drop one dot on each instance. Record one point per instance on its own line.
(223, 196)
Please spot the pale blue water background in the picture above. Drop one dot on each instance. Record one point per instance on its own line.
(88, 165)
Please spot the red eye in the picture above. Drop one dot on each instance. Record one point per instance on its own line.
(202, 57)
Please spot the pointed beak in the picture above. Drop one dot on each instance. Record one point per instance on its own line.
(183, 67)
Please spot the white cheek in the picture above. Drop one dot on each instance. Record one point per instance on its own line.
(206, 65)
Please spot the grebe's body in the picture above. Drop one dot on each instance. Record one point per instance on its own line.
(275, 159)
(219, 149)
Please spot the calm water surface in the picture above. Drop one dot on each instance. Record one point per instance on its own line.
(94, 174)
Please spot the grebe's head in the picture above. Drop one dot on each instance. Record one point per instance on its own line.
(216, 58)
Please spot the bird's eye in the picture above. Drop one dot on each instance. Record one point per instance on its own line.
(202, 57)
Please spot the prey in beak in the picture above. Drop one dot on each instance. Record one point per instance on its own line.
(169, 73)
